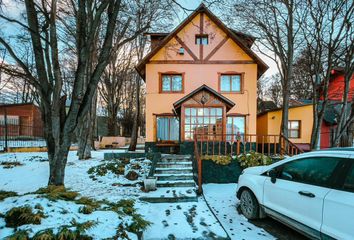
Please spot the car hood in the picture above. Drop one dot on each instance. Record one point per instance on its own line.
(256, 170)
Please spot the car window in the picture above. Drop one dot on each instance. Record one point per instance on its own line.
(349, 181)
(315, 171)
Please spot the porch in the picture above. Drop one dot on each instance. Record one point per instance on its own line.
(233, 145)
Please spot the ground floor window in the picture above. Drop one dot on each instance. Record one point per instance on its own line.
(167, 128)
(206, 121)
(236, 125)
(294, 129)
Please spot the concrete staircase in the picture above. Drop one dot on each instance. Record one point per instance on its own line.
(175, 181)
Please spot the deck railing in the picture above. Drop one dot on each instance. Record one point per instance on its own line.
(235, 144)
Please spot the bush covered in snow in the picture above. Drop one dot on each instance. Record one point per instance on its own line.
(218, 159)
(19, 216)
(253, 159)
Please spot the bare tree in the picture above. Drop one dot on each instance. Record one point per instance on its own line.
(346, 117)
(43, 28)
(116, 73)
(301, 86)
(276, 25)
(140, 44)
(324, 32)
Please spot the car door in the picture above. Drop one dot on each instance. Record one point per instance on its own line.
(297, 195)
(338, 209)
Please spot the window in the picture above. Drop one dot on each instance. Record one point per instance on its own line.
(202, 121)
(315, 171)
(10, 120)
(235, 125)
(171, 82)
(349, 181)
(167, 129)
(201, 39)
(230, 83)
(294, 129)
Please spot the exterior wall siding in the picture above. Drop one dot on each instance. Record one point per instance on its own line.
(273, 122)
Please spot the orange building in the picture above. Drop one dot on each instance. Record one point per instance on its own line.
(299, 125)
(200, 78)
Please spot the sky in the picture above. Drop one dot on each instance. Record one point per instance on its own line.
(13, 9)
(193, 4)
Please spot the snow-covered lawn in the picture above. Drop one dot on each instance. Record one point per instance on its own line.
(169, 220)
(222, 200)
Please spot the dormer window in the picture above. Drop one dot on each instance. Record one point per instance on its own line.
(201, 39)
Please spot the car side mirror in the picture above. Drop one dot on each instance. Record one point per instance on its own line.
(273, 175)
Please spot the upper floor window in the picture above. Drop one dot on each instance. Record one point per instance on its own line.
(230, 83)
(171, 83)
(294, 129)
(201, 39)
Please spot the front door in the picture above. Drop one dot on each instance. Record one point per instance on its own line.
(204, 121)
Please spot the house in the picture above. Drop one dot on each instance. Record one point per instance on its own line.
(201, 78)
(20, 120)
(335, 99)
(299, 125)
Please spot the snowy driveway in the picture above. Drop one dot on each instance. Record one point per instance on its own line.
(222, 200)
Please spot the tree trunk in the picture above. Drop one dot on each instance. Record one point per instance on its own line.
(84, 146)
(58, 148)
(112, 123)
(134, 136)
(57, 165)
(85, 132)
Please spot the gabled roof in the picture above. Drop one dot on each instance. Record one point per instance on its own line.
(279, 108)
(262, 67)
(224, 99)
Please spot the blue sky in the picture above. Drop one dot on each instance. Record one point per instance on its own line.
(13, 9)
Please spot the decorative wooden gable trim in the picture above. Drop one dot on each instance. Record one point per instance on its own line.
(201, 31)
(216, 48)
(189, 51)
(202, 9)
(202, 96)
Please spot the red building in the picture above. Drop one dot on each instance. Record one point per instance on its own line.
(335, 97)
(21, 120)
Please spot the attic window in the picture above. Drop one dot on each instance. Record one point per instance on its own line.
(201, 39)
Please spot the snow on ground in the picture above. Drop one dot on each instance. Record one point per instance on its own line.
(192, 220)
(222, 200)
(180, 220)
(61, 213)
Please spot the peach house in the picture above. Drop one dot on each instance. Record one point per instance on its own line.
(201, 78)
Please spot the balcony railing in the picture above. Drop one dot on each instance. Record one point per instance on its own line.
(235, 144)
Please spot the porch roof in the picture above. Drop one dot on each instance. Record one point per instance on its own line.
(229, 104)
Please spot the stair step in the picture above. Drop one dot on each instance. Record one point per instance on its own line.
(173, 170)
(179, 157)
(177, 183)
(174, 177)
(162, 194)
(174, 160)
(173, 164)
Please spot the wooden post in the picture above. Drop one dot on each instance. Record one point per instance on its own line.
(238, 146)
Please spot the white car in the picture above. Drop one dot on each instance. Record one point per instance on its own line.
(312, 193)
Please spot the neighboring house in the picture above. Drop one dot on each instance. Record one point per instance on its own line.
(22, 119)
(200, 79)
(299, 125)
(334, 107)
